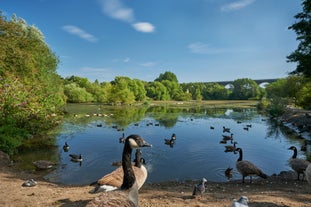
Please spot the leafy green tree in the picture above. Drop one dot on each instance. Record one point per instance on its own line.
(120, 91)
(31, 91)
(302, 55)
(157, 91)
(76, 94)
(245, 89)
(167, 76)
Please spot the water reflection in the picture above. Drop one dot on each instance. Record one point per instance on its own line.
(199, 148)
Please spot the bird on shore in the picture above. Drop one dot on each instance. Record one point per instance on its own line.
(113, 180)
(247, 168)
(127, 194)
(308, 173)
(297, 164)
(242, 202)
(29, 183)
(199, 188)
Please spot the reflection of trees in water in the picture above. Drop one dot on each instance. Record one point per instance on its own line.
(275, 130)
(166, 116)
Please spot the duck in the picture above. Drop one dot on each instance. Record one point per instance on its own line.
(199, 188)
(66, 147)
(297, 164)
(125, 173)
(76, 157)
(247, 168)
(43, 164)
(241, 202)
(308, 173)
(231, 148)
(225, 129)
(211, 127)
(122, 139)
(227, 137)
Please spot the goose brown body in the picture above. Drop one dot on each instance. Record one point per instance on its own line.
(308, 173)
(247, 168)
(298, 165)
(127, 194)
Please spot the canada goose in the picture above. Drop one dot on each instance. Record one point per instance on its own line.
(247, 168)
(231, 148)
(76, 158)
(126, 176)
(66, 147)
(298, 165)
(242, 202)
(138, 160)
(224, 129)
(170, 141)
(228, 172)
(43, 164)
(308, 173)
(122, 139)
(199, 187)
(226, 137)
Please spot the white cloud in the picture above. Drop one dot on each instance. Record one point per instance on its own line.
(148, 64)
(202, 48)
(127, 59)
(236, 5)
(79, 32)
(116, 10)
(144, 27)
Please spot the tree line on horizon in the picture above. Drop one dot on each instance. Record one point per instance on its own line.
(124, 90)
(32, 94)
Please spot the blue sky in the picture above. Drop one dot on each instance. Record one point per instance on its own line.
(197, 40)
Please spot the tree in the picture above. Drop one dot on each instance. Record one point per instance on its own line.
(245, 89)
(302, 55)
(31, 90)
(167, 76)
(157, 91)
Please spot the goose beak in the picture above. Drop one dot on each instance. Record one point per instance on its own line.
(146, 144)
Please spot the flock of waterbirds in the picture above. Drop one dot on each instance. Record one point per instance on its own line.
(120, 187)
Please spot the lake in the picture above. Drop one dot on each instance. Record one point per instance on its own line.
(94, 131)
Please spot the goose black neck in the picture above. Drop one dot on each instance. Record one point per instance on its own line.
(295, 153)
(241, 155)
(138, 158)
(129, 176)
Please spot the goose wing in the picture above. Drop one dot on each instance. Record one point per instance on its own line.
(115, 179)
(248, 168)
(299, 165)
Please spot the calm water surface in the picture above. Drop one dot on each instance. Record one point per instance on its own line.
(197, 152)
